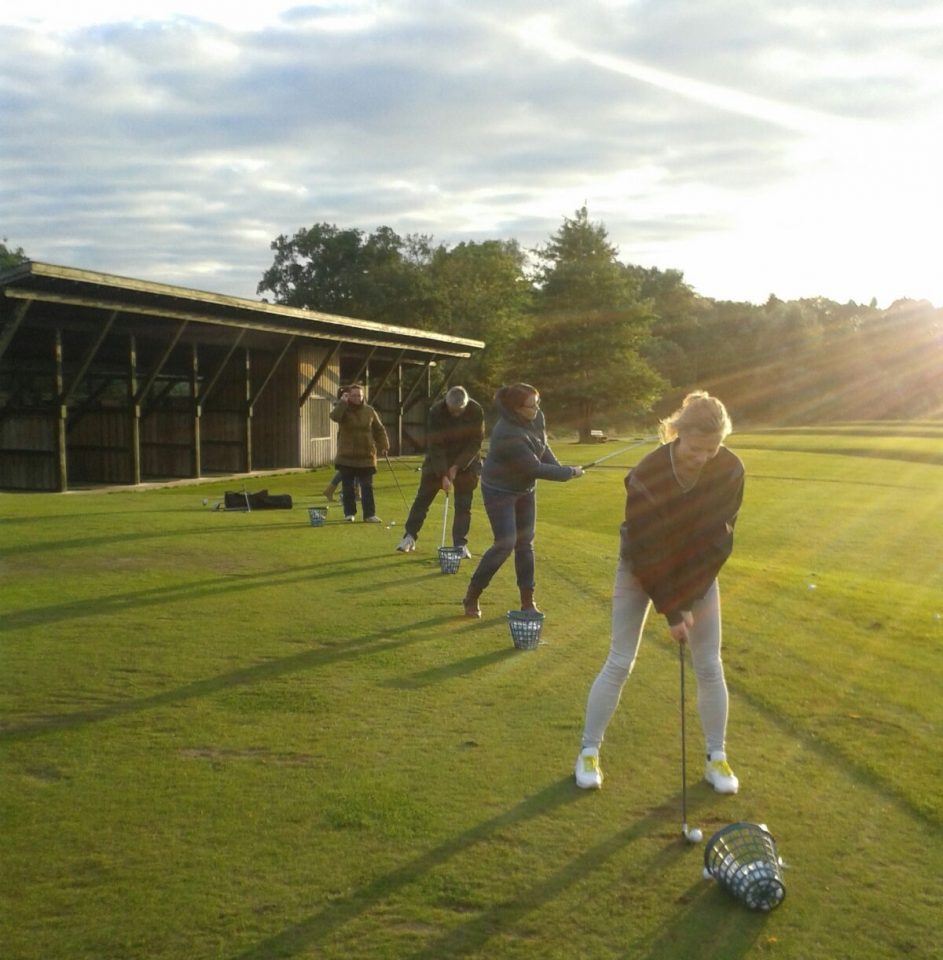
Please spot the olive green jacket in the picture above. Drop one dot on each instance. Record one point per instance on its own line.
(360, 435)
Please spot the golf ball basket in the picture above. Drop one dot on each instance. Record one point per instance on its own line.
(525, 626)
(742, 857)
(317, 516)
(450, 559)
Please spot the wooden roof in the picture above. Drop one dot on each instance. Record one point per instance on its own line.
(75, 297)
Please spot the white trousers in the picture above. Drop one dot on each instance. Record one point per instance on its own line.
(630, 609)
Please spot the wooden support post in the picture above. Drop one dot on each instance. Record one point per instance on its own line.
(134, 414)
(322, 366)
(265, 382)
(196, 454)
(399, 409)
(12, 325)
(249, 410)
(394, 366)
(363, 374)
(62, 417)
(90, 355)
(422, 376)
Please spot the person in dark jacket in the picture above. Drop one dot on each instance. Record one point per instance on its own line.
(361, 437)
(682, 501)
(455, 430)
(518, 456)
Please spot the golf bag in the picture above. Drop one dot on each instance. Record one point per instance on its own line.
(263, 500)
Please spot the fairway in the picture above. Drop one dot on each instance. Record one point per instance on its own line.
(235, 735)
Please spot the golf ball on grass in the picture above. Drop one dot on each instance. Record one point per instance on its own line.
(695, 835)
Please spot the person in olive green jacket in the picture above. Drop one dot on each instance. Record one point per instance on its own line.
(361, 438)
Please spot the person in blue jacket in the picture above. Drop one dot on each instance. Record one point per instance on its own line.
(518, 456)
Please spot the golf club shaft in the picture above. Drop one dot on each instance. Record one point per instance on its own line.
(389, 463)
(616, 453)
(445, 518)
(684, 779)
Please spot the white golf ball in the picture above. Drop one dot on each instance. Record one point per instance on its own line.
(707, 874)
(695, 835)
(205, 501)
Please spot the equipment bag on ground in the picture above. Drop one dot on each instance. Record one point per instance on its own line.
(263, 500)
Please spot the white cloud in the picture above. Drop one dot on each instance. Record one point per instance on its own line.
(756, 147)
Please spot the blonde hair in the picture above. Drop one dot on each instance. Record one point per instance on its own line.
(700, 413)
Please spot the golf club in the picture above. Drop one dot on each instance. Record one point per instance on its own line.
(396, 480)
(616, 453)
(693, 835)
(445, 517)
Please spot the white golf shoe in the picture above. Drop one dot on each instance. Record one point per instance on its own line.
(588, 773)
(718, 774)
(466, 553)
(373, 519)
(407, 544)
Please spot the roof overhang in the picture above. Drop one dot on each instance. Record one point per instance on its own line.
(73, 289)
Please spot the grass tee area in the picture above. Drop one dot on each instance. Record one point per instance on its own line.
(230, 735)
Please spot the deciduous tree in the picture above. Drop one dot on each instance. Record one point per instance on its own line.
(10, 257)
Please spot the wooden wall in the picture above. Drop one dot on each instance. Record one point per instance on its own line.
(99, 435)
(316, 433)
(28, 452)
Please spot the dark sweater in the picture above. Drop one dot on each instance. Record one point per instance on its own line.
(677, 541)
(453, 441)
(519, 455)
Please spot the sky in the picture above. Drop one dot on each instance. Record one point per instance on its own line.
(758, 146)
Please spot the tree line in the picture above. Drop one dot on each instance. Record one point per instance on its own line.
(610, 344)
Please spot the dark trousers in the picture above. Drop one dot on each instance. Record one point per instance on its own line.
(364, 476)
(513, 519)
(463, 490)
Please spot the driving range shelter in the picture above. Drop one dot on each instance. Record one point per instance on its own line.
(110, 380)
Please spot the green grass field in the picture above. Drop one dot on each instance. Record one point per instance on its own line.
(238, 736)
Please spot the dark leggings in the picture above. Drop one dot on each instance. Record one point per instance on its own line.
(364, 476)
(513, 518)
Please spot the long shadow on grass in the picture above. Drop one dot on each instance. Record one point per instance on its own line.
(324, 656)
(211, 587)
(834, 756)
(302, 936)
(711, 924)
(123, 538)
(449, 671)
(472, 936)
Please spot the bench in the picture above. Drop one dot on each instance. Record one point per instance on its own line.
(597, 436)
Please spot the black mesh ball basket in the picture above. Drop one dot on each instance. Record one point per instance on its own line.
(742, 857)
(525, 626)
(449, 559)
